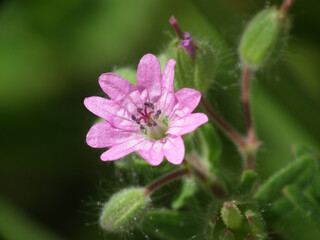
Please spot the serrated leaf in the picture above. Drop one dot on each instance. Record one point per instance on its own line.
(298, 172)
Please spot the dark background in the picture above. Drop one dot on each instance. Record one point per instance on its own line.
(51, 54)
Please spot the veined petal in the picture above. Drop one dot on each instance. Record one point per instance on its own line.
(149, 77)
(188, 100)
(187, 124)
(168, 76)
(103, 134)
(167, 102)
(119, 90)
(118, 151)
(174, 150)
(152, 152)
(115, 114)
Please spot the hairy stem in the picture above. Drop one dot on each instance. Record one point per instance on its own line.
(232, 134)
(251, 143)
(165, 179)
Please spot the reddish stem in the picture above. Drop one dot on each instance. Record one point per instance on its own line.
(235, 136)
(245, 87)
(251, 143)
(286, 6)
(163, 180)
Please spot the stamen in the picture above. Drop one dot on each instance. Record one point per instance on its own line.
(156, 116)
(142, 127)
(150, 105)
(149, 124)
(155, 124)
(135, 119)
(139, 109)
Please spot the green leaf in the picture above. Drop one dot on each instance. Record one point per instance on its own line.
(306, 205)
(171, 225)
(188, 189)
(299, 172)
(300, 150)
(247, 182)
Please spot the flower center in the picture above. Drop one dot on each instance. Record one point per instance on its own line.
(152, 123)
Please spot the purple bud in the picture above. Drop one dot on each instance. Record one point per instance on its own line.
(185, 38)
(187, 44)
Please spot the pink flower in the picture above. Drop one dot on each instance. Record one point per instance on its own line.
(149, 119)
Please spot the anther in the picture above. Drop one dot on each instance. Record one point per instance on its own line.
(135, 119)
(142, 127)
(139, 109)
(154, 124)
(150, 124)
(156, 116)
(150, 105)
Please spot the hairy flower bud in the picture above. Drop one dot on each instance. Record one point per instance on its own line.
(255, 221)
(196, 60)
(122, 208)
(231, 215)
(260, 37)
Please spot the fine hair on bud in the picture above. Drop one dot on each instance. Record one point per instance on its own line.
(123, 210)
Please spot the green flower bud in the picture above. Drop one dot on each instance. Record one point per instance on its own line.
(231, 215)
(255, 221)
(260, 37)
(196, 60)
(122, 208)
(226, 235)
(196, 73)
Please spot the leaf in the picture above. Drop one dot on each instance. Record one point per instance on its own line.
(171, 225)
(247, 182)
(299, 172)
(306, 205)
(188, 189)
(300, 150)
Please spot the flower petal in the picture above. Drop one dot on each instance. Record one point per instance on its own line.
(166, 103)
(168, 76)
(115, 114)
(149, 77)
(187, 124)
(152, 152)
(103, 134)
(188, 100)
(119, 90)
(174, 150)
(118, 151)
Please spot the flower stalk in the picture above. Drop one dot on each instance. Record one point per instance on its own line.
(232, 134)
(165, 179)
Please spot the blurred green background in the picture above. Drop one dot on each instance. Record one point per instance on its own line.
(51, 54)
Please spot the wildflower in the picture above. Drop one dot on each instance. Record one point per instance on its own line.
(148, 119)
